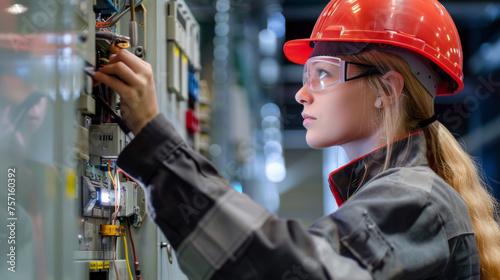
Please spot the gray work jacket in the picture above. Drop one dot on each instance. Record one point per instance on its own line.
(402, 223)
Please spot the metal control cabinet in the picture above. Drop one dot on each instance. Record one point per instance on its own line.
(168, 39)
(73, 208)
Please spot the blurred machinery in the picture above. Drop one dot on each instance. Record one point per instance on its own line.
(114, 235)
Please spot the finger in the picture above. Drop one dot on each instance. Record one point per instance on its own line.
(132, 61)
(115, 84)
(123, 72)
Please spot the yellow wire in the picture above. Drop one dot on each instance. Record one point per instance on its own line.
(111, 176)
(124, 237)
(114, 260)
(114, 186)
(126, 257)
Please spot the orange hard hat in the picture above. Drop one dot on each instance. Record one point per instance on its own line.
(420, 26)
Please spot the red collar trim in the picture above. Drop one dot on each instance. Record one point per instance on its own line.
(336, 193)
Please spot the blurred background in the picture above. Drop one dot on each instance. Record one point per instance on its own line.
(257, 73)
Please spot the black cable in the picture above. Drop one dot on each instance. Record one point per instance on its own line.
(121, 123)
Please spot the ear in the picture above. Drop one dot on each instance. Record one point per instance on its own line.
(394, 81)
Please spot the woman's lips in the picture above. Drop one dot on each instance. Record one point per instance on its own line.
(307, 119)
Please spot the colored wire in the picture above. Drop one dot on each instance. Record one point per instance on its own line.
(116, 194)
(132, 241)
(111, 176)
(112, 17)
(126, 257)
(114, 260)
(102, 102)
(132, 14)
(136, 263)
(114, 187)
(121, 171)
(114, 221)
(132, 29)
(116, 206)
(115, 18)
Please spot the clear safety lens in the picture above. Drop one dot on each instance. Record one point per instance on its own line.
(321, 72)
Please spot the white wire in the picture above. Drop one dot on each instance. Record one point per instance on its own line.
(118, 188)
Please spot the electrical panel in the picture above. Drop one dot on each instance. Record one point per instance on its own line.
(115, 236)
(183, 67)
(205, 119)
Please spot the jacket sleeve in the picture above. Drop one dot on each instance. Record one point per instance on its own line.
(219, 233)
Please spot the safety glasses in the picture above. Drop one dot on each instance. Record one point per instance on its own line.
(321, 72)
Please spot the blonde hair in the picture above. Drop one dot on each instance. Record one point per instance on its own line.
(446, 156)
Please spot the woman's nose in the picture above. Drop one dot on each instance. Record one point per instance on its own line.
(302, 96)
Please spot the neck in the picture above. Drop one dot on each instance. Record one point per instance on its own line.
(360, 147)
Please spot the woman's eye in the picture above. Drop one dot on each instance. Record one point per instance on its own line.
(322, 74)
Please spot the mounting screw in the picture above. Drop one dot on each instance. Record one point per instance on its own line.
(139, 51)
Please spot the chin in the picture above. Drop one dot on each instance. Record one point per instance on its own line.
(319, 146)
(314, 143)
(326, 141)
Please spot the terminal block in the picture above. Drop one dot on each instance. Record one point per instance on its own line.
(112, 230)
(106, 6)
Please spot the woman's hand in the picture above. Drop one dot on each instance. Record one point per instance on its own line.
(135, 85)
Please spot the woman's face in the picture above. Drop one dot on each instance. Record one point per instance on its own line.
(339, 114)
(35, 117)
(15, 91)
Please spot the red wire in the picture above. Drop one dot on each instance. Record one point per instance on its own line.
(132, 241)
(120, 171)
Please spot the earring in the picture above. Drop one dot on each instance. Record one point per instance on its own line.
(378, 103)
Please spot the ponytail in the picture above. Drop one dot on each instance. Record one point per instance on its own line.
(449, 160)
(446, 157)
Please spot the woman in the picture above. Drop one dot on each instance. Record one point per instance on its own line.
(412, 205)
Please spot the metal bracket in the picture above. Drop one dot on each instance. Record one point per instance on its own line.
(169, 250)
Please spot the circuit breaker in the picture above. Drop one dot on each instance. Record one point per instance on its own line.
(128, 199)
(106, 142)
